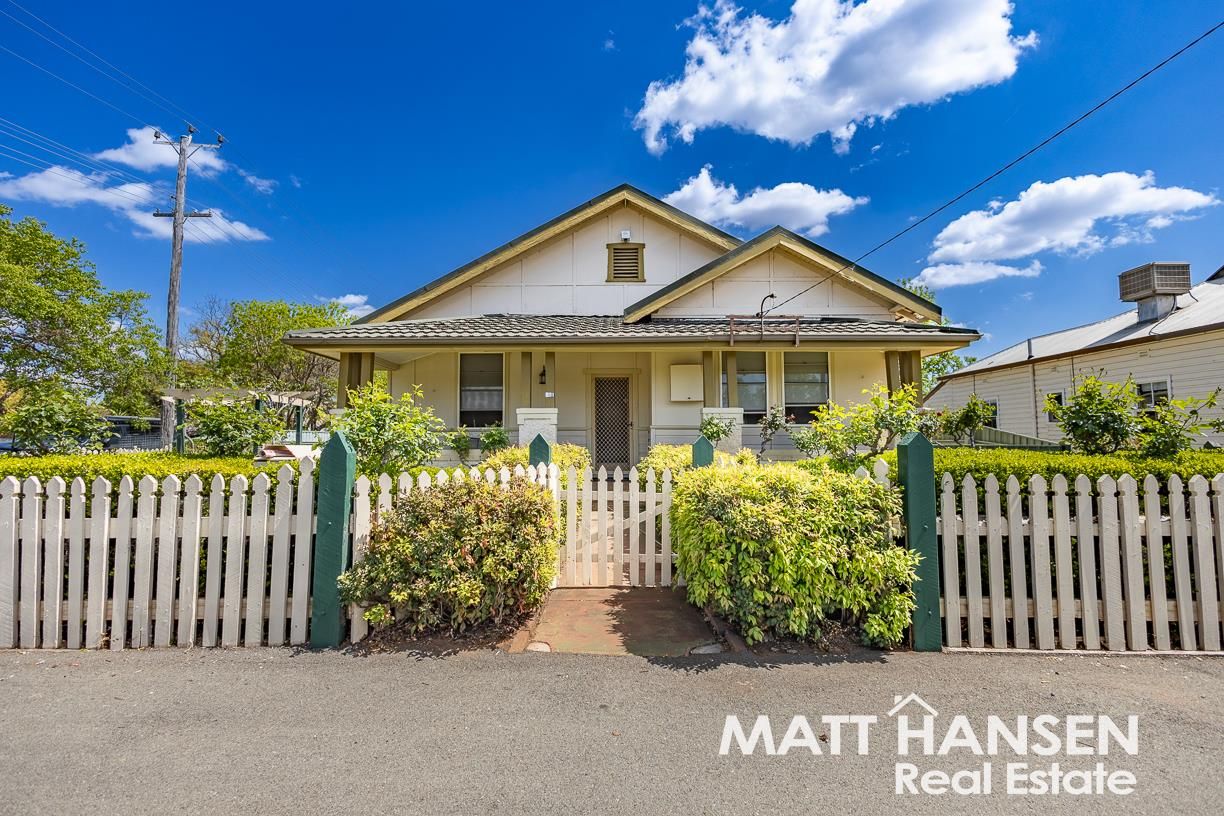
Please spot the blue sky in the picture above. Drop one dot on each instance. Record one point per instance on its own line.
(370, 149)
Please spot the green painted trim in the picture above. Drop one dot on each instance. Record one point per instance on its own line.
(337, 472)
(916, 474)
(540, 452)
(703, 452)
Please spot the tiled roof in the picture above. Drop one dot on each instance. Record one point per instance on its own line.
(588, 328)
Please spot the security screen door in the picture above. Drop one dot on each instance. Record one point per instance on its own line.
(613, 421)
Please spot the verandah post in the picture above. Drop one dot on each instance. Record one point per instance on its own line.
(336, 475)
(916, 474)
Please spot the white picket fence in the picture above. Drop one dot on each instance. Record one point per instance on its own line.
(1099, 566)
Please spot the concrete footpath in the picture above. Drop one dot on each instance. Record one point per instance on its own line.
(279, 731)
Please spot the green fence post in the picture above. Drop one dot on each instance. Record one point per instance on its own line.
(703, 452)
(337, 472)
(180, 417)
(540, 451)
(297, 437)
(916, 473)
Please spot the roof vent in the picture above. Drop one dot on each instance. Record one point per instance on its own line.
(1153, 279)
(625, 262)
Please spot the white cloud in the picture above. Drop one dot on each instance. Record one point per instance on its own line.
(295, 181)
(794, 205)
(1078, 215)
(262, 186)
(143, 153)
(830, 67)
(941, 276)
(357, 305)
(66, 187)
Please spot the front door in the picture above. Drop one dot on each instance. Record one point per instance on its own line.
(613, 421)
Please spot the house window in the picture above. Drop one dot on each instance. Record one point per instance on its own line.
(626, 262)
(481, 390)
(749, 380)
(1057, 396)
(993, 422)
(805, 383)
(1152, 393)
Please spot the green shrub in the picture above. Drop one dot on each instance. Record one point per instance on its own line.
(457, 556)
(679, 458)
(779, 550)
(564, 455)
(229, 427)
(716, 428)
(114, 466)
(494, 439)
(460, 442)
(1098, 417)
(52, 418)
(865, 429)
(389, 435)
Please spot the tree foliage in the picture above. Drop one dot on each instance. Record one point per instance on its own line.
(1098, 416)
(50, 418)
(389, 435)
(936, 365)
(230, 427)
(865, 429)
(1171, 426)
(962, 424)
(238, 345)
(59, 325)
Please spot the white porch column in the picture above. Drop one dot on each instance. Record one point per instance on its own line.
(733, 441)
(533, 421)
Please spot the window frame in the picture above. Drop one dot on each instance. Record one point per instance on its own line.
(828, 384)
(1167, 382)
(459, 387)
(993, 422)
(750, 418)
(641, 254)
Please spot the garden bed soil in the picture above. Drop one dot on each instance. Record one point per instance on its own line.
(837, 641)
(506, 637)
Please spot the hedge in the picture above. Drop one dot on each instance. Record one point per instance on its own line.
(679, 458)
(778, 550)
(114, 466)
(1023, 464)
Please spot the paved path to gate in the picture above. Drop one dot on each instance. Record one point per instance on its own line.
(619, 621)
(272, 731)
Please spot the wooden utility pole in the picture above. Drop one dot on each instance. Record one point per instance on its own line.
(185, 151)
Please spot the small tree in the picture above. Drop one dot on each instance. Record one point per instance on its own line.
(52, 418)
(716, 429)
(494, 439)
(962, 424)
(773, 421)
(1099, 416)
(229, 427)
(1170, 426)
(865, 429)
(389, 435)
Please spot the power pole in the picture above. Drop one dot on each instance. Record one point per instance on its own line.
(185, 151)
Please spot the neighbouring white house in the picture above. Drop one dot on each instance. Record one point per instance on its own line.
(621, 323)
(1171, 344)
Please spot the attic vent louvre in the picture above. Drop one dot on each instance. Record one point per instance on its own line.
(625, 262)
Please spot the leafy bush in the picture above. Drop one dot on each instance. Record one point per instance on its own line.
(771, 423)
(778, 550)
(716, 428)
(563, 456)
(50, 418)
(865, 429)
(457, 556)
(1098, 416)
(460, 442)
(1170, 426)
(389, 435)
(1023, 464)
(114, 466)
(229, 427)
(494, 439)
(962, 424)
(679, 458)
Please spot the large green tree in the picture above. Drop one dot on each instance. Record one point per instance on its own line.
(936, 365)
(61, 328)
(238, 345)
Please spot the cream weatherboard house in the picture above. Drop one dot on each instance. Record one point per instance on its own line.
(624, 321)
(1171, 344)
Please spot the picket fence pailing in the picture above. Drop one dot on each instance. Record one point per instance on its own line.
(1104, 565)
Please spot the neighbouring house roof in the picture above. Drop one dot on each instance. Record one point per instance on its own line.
(1201, 309)
(497, 329)
(780, 237)
(622, 194)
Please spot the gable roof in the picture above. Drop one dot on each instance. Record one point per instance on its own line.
(775, 238)
(1201, 309)
(624, 193)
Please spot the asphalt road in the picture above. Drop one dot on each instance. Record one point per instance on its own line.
(274, 731)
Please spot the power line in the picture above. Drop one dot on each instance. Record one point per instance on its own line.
(1011, 163)
(94, 96)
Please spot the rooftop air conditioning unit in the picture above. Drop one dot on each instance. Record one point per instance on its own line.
(1154, 279)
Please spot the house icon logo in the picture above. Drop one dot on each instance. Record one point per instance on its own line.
(900, 703)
